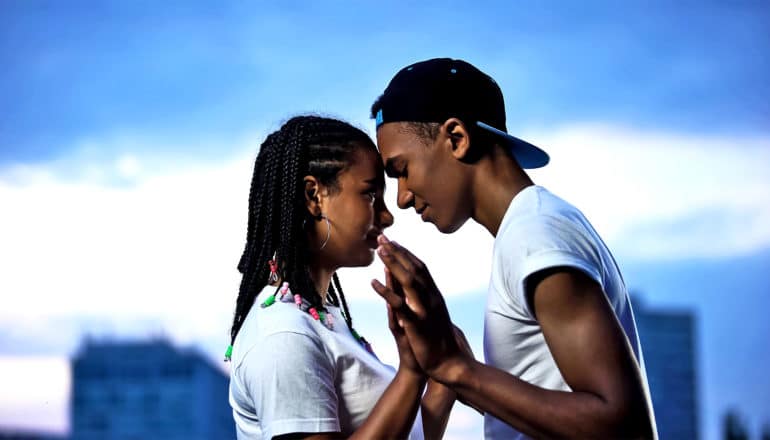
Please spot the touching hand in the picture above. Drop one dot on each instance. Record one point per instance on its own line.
(419, 309)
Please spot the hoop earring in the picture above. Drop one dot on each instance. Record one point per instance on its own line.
(328, 231)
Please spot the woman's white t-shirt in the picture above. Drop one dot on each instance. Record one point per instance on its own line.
(290, 374)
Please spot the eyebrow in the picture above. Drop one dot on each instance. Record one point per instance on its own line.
(378, 182)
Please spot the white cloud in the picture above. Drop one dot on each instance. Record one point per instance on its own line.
(628, 181)
(35, 393)
(128, 167)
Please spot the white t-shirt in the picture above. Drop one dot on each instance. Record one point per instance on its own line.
(540, 231)
(290, 373)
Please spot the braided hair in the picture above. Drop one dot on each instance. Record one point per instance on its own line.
(305, 145)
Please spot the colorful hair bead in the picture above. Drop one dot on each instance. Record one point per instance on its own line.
(314, 313)
(273, 278)
(229, 353)
(269, 301)
(284, 288)
(298, 300)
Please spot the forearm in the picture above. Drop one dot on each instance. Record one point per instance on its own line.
(435, 408)
(394, 414)
(539, 412)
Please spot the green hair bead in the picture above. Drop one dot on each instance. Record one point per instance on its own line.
(269, 301)
(229, 353)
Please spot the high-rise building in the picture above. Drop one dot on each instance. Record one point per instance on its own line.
(148, 390)
(668, 340)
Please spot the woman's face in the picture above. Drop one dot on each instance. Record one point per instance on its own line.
(356, 212)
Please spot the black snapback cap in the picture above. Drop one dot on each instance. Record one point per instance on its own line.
(441, 88)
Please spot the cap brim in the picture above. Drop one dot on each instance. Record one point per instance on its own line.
(527, 155)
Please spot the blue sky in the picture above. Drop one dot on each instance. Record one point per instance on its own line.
(209, 70)
(127, 130)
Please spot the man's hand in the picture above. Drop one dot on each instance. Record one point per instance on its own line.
(419, 309)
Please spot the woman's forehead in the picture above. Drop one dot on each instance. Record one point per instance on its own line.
(366, 167)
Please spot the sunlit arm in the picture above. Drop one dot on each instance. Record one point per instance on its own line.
(593, 354)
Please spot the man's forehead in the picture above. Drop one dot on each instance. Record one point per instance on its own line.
(393, 140)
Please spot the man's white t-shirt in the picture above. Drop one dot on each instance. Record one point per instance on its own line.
(540, 231)
(290, 373)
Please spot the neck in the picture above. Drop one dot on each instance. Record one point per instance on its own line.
(497, 181)
(321, 277)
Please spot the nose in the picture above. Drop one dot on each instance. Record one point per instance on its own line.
(405, 197)
(384, 217)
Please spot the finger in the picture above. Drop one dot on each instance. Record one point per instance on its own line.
(415, 262)
(392, 284)
(403, 279)
(406, 321)
(401, 255)
(393, 300)
(406, 258)
(392, 320)
(421, 280)
(399, 273)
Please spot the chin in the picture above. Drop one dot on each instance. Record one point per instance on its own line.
(363, 259)
(451, 227)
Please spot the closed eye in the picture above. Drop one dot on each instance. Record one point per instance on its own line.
(395, 167)
(371, 194)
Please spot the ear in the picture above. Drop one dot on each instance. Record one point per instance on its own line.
(457, 137)
(313, 195)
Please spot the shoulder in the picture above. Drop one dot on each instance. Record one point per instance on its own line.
(538, 221)
(542, 232)
(275, 328)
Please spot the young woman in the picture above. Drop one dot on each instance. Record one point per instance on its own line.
(299, 369)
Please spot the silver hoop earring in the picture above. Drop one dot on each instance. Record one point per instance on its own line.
(328, 231)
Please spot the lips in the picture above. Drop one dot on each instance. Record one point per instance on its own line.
(421, 211)
(371, 239)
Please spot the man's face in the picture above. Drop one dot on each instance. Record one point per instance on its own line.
(430, 178)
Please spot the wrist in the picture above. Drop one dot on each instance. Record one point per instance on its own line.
(411, 374)
(453, 371)
(439, 390)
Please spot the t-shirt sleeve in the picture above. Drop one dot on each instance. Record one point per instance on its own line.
(290, 378)
(549, 243)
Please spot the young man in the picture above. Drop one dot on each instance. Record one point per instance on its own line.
(563, 357)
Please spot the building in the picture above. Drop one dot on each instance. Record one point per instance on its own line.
(148, 390)
(669, 346)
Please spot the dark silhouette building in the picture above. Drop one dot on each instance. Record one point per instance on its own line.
(148, 390)
(669, 346)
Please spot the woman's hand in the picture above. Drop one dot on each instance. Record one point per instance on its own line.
(407, 361)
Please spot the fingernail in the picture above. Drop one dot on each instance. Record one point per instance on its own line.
(382, 251)
(382, 239)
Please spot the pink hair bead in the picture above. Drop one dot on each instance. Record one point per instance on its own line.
(284, 288)
(314, 312)
(298, 300)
